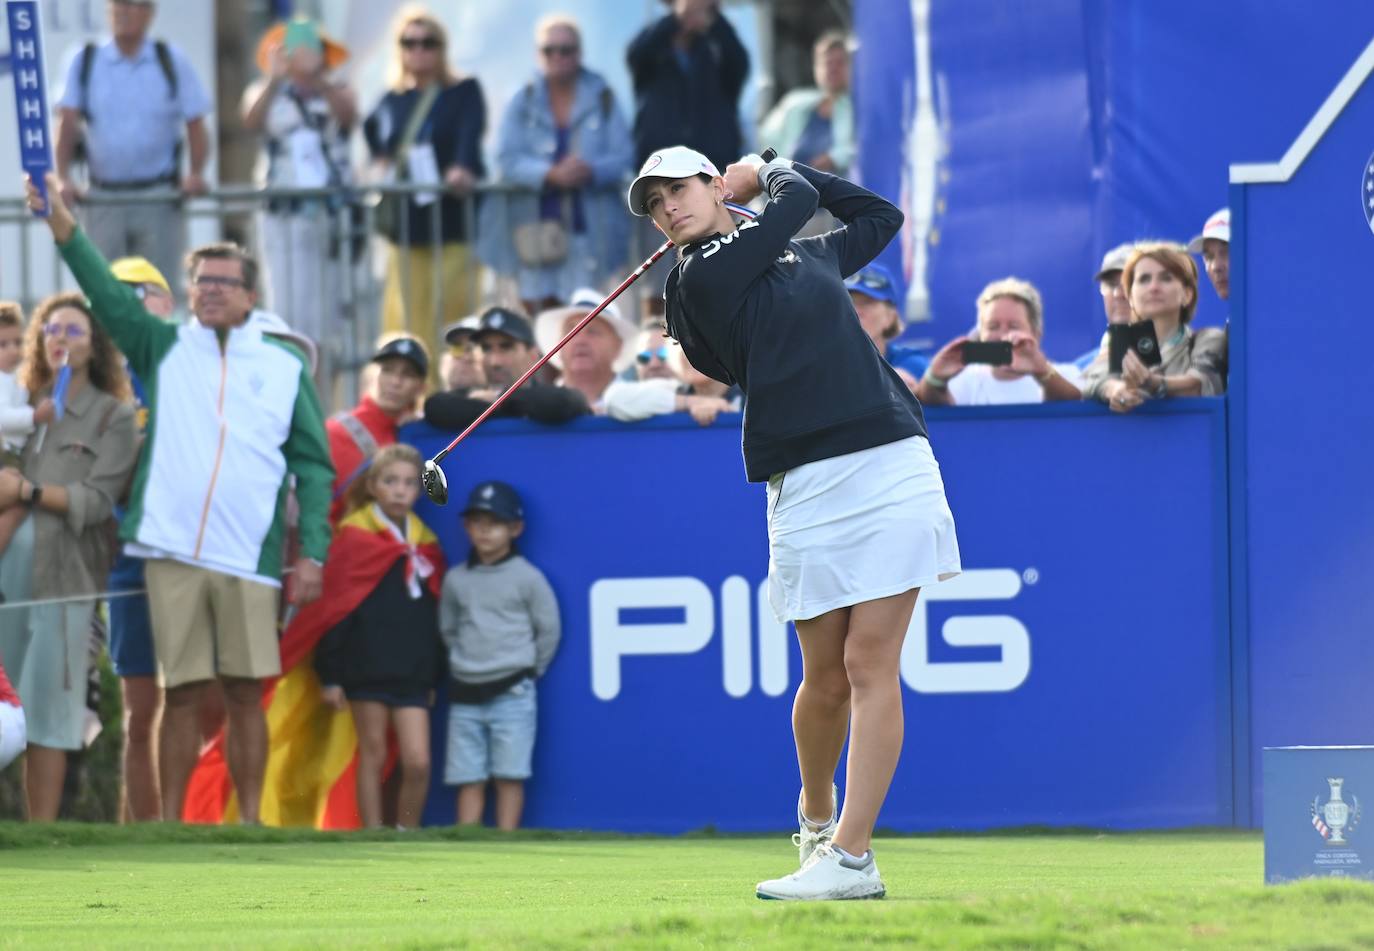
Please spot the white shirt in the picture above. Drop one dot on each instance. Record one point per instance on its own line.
(976, 386)
(16, 415)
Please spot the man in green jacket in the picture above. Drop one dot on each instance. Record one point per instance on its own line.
(232, 415)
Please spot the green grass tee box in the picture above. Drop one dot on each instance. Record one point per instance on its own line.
(87, 887)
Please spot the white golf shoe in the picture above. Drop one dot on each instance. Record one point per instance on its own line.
(828, 875)
(810, 835)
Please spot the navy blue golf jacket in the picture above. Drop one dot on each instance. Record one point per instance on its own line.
(758, 309)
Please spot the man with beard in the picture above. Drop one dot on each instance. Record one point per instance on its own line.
(508, 350)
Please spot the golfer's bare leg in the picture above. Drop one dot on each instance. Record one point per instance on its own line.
(472, 801)
(820, 712)
(872, 656)
(246, 743)
(139, 798)
(412, 737)
(370, 721)
(510, 803)
(178, 744)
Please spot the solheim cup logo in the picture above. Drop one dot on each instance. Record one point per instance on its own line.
(1367, 192)
(1336, 818)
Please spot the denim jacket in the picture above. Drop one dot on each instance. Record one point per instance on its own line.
(526, 144)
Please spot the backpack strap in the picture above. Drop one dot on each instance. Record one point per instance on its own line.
(84, 79)
(169, 69)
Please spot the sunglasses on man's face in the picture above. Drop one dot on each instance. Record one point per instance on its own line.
(219, 283)
(553, 50)
(645, 356)
(420, 42)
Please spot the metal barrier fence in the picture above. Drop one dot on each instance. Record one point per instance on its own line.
(327, 270)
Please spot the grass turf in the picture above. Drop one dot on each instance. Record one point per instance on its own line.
(99, 886)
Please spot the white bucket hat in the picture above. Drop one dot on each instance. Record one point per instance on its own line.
(549, 329)
(675, 162)
(1218, 226)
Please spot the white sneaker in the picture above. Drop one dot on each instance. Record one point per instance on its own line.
(809, 835)
(829, 875)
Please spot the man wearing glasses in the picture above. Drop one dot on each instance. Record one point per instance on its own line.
(232, 415)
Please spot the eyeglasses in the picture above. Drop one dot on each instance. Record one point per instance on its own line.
(645, 356)
(462, 349)
(70, 331)
(558, 50)
(214, 280)
(420, 42)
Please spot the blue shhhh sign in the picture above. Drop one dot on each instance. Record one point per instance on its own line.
(30, 90)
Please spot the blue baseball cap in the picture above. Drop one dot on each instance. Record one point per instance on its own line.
(875, 281)
(496, 498)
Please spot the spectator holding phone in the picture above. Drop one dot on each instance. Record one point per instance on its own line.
(1001, 362)
(1161, 283)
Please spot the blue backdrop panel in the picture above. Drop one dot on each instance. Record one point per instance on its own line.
(1308, 528)
(1098, 694)
(1070, 126)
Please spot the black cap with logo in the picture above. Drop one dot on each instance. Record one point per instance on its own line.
(498, 499)
(407, 348)
(502, 320)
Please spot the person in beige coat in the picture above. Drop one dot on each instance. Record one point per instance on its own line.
(71, 474)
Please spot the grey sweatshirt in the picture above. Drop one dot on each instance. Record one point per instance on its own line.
(498, 620)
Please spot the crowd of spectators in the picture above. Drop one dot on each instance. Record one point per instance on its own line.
(212, 549)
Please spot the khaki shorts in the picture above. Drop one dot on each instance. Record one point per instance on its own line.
(208, 624)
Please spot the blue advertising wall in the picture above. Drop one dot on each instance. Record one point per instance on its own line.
(1303, 398)
(1070, 126)
(1090, 687)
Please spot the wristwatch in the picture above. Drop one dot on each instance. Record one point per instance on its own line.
(35, 494)
(1161, 391)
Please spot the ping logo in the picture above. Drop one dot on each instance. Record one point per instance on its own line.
(693, 627)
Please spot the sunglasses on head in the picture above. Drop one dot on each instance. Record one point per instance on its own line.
(644, 356)
(420, 42)
(558, 50)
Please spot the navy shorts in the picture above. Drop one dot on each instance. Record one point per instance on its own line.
(131, 630)
(389, 698)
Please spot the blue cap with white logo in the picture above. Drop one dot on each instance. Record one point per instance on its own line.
(496, 498)
(875, 281)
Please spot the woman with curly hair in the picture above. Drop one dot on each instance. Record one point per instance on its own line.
(71, 473)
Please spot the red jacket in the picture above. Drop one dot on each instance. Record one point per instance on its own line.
(343, 448)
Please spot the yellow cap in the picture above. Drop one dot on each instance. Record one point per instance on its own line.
(139, 271)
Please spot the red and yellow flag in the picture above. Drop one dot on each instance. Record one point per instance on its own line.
(312, 749)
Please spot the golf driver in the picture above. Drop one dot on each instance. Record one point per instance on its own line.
(433, 478)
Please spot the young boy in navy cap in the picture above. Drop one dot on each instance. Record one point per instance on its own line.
(499, 619)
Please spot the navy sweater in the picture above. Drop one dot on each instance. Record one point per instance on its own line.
(770, 314)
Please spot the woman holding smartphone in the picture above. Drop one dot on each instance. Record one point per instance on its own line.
(857, 517)
(1001, 362)
(1160, 281)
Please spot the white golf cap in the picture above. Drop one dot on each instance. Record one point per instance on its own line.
(675, 162)
(1218, 226)
(1115, 260)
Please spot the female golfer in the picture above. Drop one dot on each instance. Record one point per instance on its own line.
(857, 518)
